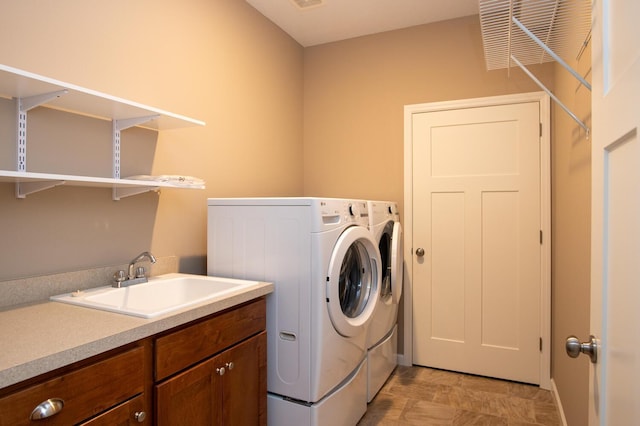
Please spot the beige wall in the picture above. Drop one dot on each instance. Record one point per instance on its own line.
(217, 61)
(571, 259)
(355, 92)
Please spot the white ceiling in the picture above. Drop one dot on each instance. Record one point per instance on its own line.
(334, 20)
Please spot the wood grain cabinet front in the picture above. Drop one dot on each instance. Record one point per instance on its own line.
(77, 394)
(128, 413)
(228, 389)
(214, 371)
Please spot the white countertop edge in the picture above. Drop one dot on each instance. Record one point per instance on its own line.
(99, 331)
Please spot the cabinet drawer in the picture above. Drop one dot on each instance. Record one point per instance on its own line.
(185, 347)
(85, 392)
(128, 413)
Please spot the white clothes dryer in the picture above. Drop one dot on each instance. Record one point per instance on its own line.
(326, 269)
(382, 338)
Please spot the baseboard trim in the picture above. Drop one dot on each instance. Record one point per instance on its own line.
(556, 396)
(402, 360)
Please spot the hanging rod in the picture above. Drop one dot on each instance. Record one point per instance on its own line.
(551, 53)
(585, 43)
(554, 97)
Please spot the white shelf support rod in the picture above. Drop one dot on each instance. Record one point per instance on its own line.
(118, 126)
(539, 42)
(554, 97)
(22, 106)
(116, 150)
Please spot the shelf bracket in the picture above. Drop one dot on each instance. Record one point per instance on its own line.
(125, 123)
(25, 188)
(31, 102)
(554, 97)
(22, 106)
(118, 126)
(122, 192)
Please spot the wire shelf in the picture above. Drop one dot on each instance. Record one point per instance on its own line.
(562, 25)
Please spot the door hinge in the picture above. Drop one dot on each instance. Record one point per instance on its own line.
(541, 344)
(541, 236)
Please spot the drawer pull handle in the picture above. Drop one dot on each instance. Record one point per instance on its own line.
(220, 371)
(47, 408)
(230, 365)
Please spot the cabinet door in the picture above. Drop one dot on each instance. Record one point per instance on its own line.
(228, 389)
(244, 396)
(191, 398)
(129, 413)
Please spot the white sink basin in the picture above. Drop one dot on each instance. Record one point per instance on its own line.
(162, 294)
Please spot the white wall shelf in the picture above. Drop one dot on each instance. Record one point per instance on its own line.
(31, 90)
(31, 182)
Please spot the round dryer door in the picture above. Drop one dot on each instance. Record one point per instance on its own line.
(354, 281)
(397, 260)
(390, 246)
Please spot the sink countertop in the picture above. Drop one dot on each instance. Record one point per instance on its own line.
(42, 337)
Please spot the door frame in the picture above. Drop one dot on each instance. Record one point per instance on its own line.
(406, 358)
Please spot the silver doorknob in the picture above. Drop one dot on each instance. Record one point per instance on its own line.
(220, 371)
(419, 252)
(575, 348)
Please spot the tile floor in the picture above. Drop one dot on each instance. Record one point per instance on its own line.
(424, 396)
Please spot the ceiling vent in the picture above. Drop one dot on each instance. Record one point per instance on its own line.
(305, 4)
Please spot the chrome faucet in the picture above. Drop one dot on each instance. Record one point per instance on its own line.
(137, 277)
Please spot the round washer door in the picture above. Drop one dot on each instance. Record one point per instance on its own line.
(353, 281)
(384, 245)
(397, 259)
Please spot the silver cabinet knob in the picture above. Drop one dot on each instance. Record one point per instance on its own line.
(140, 416)
(220, 371)
(419, 252)
(230, 365)
(575, 348)
(47, 408)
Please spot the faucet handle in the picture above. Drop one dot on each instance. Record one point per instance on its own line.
(119, 277)
(140, 272)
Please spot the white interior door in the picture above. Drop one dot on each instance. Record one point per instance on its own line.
(477, 240)
(615, 228)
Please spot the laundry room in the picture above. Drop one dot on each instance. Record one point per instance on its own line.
(271, 118)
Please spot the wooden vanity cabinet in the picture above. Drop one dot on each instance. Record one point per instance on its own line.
(86, 390)
(213, 372)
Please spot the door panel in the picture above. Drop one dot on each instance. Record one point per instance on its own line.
(500, 252)
(615, 226)
(245, 384)
(476, 213)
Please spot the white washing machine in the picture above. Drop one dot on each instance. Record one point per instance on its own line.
(326, 270)
(382, 336)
